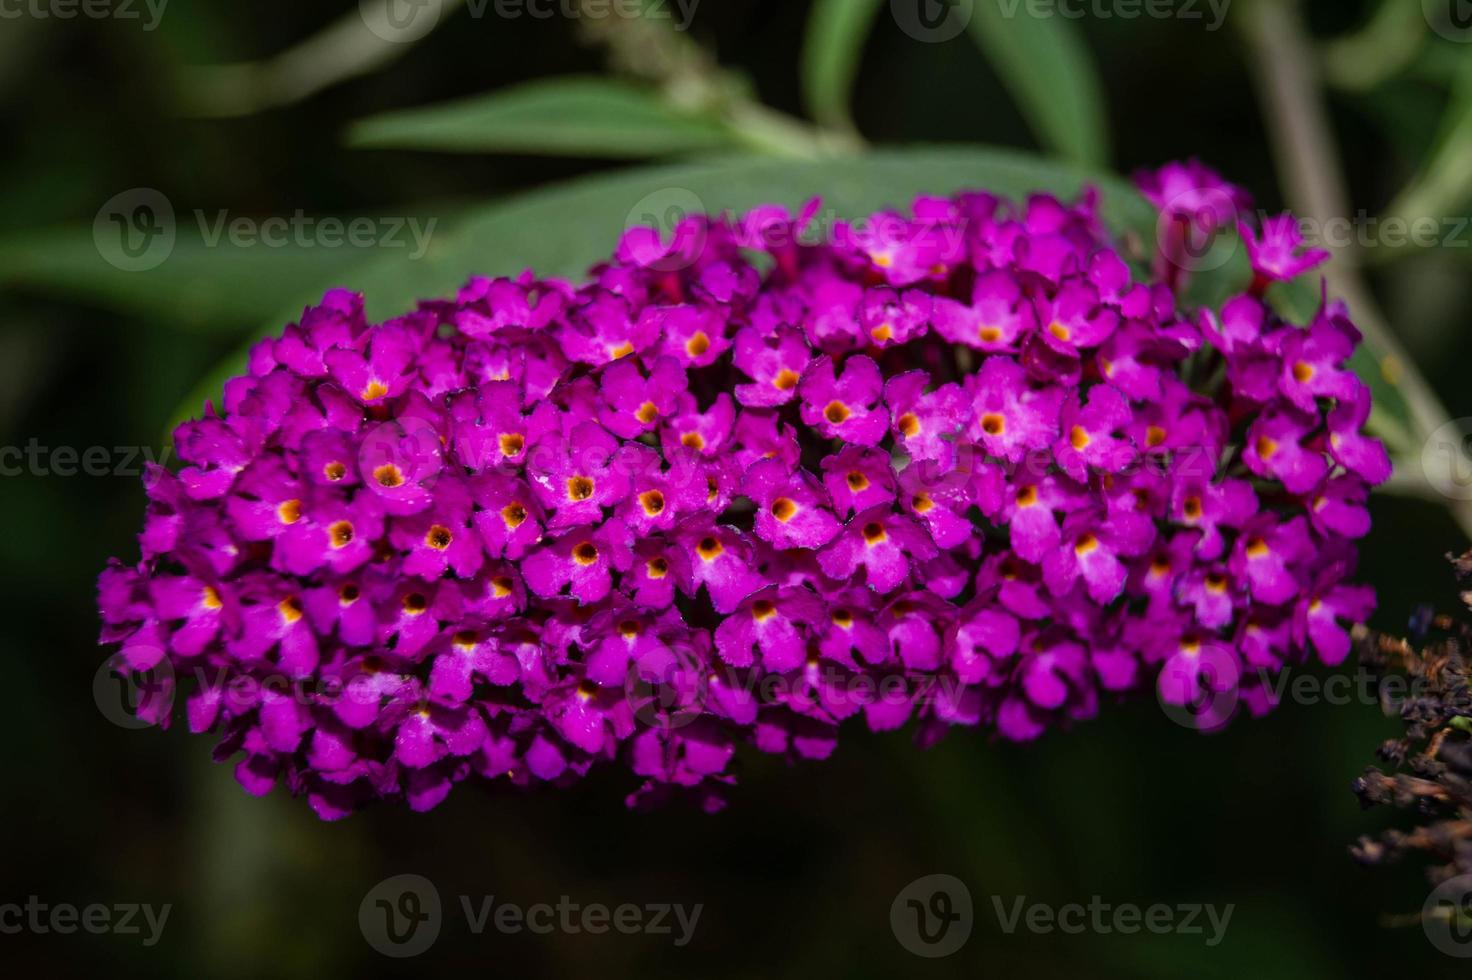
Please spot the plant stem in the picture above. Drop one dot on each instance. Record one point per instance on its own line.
(1304, 148)
(691, 79)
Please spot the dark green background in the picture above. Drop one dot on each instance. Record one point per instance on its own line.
(798, 874)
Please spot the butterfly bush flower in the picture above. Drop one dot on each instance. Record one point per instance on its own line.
(741, 486)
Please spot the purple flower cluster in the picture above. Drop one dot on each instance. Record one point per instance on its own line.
(738, 487)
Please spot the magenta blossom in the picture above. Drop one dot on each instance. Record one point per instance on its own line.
(966, 468)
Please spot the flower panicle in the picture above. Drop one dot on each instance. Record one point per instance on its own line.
(964, 466)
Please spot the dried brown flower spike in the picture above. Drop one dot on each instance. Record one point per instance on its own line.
(1431, 763)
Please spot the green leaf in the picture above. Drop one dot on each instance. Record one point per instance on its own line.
(573, 116)
(199, 286)
(564, 229)
(831, 52)
(1045, 65)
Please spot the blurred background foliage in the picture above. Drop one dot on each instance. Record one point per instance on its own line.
(268, 110)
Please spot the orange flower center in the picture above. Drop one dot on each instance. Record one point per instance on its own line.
(579, 488)
(389, 475)
(340, 533)
(652, 501)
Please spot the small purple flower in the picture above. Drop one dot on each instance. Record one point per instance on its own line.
(1265, 555)
(719, 559)
(692, 431)
(775, 366)
(1090, 434)
(1318, 616)
(574, 476)
(582, 560)
(997, 319)
(1010, 416)
(1278, 447)
(848, 406)
(858, 479)
(1277, 254)
(1210, 507)
(1312, 363)
(1350, 447)
(926, 425)
(793, 511)
(880, 541)
(1074, 320)
(634, 404)
(773, 622)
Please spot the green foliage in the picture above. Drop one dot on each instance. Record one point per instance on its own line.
(832, 49)
(575, 116)
(1045, 64)
(214, 287)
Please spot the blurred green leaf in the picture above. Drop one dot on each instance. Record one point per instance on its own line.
(373, 35)
(573, 116)
(1387, 44)
(1045, 65)
(1444, 184)
(199, 286)
(832, 49)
